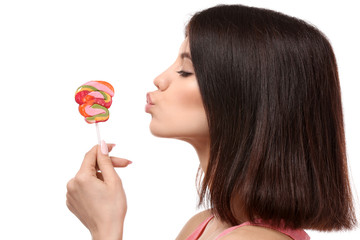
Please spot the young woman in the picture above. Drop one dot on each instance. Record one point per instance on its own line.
(257, 94)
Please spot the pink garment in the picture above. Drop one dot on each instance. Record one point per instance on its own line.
(295, 234)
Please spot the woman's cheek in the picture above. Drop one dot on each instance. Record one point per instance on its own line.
(180, 112)
(188, 111)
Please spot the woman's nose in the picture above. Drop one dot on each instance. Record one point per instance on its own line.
(161, 82)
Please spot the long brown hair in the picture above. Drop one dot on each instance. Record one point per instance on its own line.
(271, 91)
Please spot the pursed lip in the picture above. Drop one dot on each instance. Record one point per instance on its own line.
(149, 103)
(148, 99)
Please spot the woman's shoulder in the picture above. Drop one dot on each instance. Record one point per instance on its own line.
(240, 233)
(254, 233)
(193, 223)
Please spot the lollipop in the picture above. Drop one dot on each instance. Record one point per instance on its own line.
(94, 99)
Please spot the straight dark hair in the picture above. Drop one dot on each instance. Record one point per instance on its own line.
(271, 92)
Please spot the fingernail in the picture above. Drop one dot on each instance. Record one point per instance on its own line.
(104, 148)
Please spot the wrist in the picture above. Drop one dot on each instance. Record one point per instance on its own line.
(106, 236)
(108, 233)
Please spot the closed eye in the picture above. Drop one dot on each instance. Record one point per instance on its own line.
(183, 73)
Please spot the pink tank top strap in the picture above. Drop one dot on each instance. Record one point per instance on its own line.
(200, 229)
(295, 234)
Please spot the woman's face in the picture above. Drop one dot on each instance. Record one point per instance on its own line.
(176, 106)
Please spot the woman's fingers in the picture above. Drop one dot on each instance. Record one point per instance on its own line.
(89, 165)
(97, 156)
(120, 162)
(105, 165)
(117, 162)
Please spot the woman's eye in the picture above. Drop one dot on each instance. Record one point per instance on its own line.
(183, 73)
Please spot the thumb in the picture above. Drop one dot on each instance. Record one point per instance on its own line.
(104, 163)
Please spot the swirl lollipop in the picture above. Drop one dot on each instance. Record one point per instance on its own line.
(94, 99)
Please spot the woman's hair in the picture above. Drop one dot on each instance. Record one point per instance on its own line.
(271, 92)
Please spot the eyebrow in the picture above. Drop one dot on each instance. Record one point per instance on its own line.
(185, 55)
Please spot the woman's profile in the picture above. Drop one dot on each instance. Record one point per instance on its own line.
(257, 94)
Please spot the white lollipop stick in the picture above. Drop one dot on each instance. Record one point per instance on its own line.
(98, 133)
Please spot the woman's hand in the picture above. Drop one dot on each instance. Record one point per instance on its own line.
(96, 195)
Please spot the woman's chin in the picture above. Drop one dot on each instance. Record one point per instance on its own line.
(164, 133)
(159, 132)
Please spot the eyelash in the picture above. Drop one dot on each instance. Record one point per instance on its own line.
(183, 74)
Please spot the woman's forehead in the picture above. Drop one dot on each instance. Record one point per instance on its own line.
(185, 46)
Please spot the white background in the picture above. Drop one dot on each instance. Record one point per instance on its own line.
(49, 48)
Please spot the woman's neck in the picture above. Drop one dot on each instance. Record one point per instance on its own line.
(202, 148)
